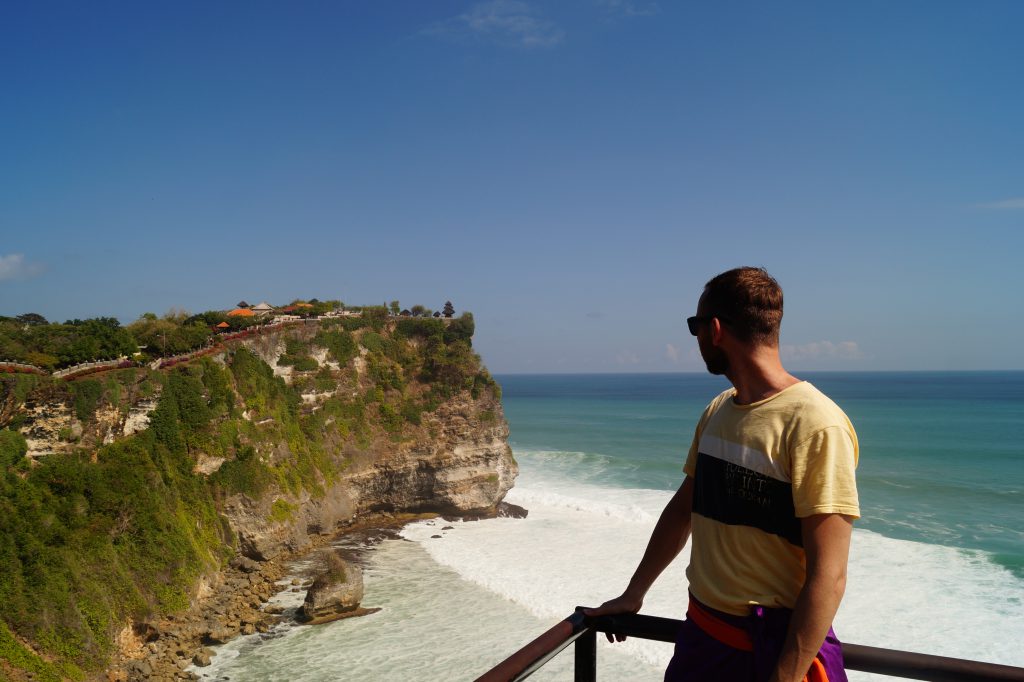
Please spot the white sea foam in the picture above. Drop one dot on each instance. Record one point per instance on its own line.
(433, 626)
(580, 544)
(454, 605)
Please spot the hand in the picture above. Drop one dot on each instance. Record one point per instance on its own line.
(624, 603)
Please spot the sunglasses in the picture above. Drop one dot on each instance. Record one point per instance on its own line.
(693, 323)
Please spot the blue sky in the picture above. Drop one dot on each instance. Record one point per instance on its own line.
(572, 172)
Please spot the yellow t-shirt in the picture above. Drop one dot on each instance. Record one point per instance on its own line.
(757, 470)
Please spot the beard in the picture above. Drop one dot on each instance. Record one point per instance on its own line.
(715, 360)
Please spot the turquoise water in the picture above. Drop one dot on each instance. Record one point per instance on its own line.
(942, 453)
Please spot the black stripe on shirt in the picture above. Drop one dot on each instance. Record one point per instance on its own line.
(738, 496)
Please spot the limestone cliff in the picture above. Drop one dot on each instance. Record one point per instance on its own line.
(254, 449)
(457, 464)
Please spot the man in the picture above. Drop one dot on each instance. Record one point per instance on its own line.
(770, 497)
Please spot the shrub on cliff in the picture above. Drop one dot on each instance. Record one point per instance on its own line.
(461, 329)
(86, 394)
(12, 448)
(244, 474)
(339, 343)
(217, 382)
(256, 383)
(296, 355)
(375, 316)
(420, 327)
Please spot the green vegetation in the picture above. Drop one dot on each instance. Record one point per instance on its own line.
(375, 317)
(93, 537)
(22, 384)
(60, 345)
(87, 394)
(12, 448)
(20, 658)
(85, 543)
(281, 510)
(331, 569)
(175, 332)
(297, 356)
(339, 344)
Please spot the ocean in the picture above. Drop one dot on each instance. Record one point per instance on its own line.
(937, 562)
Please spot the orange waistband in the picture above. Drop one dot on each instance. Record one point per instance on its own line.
(738, 638)
(725, 633)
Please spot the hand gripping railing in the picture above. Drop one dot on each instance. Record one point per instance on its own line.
(583, 631)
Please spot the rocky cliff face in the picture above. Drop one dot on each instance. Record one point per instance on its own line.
(465, 470)
(51, 424)
(456, 461)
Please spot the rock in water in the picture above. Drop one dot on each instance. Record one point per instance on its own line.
(510, 510)
(335, 593)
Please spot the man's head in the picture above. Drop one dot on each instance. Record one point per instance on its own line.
(747, 302)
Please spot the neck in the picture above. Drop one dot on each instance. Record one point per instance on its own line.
(758, 374)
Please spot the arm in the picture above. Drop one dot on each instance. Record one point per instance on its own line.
(667, 540)
(827, 546)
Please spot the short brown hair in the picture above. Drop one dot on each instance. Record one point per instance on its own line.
(749, 301)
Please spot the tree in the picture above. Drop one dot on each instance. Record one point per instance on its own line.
(460, 329)
(449, 309)
(417, 310)
(31, 318)
(395, 308)
(375, 316)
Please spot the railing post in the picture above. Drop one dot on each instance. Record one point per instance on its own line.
(586, 657)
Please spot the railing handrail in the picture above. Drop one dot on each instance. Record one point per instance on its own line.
(580, 628)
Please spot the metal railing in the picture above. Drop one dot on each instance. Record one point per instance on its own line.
(582, 631)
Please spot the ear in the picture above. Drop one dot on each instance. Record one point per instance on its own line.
(717, 331)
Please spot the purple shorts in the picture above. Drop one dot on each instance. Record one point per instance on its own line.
(699, 657)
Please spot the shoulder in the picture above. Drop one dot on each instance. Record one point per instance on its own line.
(713, 407)
(813, 405)
(719, 400)
(811, 412)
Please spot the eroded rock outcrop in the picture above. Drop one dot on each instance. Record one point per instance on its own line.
(335, 593)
